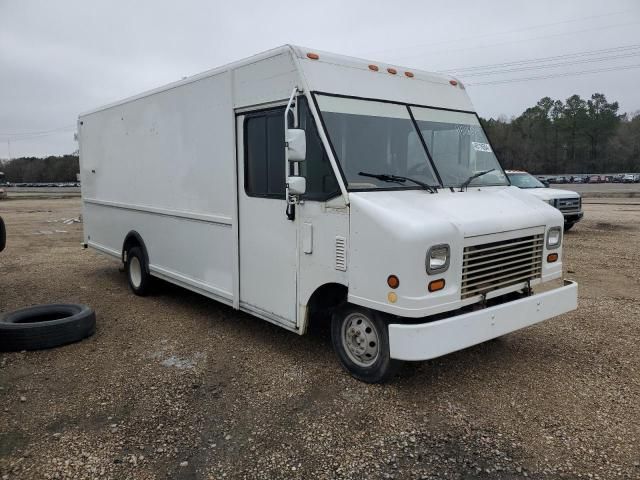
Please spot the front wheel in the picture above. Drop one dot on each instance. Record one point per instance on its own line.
(568, 225)
(360, 338)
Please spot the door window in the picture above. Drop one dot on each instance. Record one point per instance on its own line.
(264, 154)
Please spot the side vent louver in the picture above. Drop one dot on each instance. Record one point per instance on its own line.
(341, 254)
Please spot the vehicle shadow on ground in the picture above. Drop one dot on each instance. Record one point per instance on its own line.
(485, 359)
(318, 334)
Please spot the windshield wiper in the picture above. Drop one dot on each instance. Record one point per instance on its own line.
(385, 177)
(466, 183)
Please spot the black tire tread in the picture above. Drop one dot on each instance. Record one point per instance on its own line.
(383, 370)
(79, 323)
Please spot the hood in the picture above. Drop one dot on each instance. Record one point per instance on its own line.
(551, 193)
(477, 211)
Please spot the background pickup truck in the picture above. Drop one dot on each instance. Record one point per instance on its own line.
(568, 202)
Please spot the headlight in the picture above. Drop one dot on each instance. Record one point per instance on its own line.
(554, 237)
(437, 259)
(551, 202)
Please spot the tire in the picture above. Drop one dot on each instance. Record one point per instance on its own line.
(369, 360)
(138, 272)
(3, 235)
(45, 326)
(568, 226)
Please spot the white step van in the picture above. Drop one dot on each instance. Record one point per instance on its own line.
(303, 186)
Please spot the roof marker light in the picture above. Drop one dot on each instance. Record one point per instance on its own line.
(408, 74)
(453, 82)
(392, 71)
(373, 67)
(313, 56)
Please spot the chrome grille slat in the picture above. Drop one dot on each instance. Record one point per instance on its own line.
(472, 276)
(483, 280)
(517, 256)
(515, 251)
(497, 245)
(495, 265)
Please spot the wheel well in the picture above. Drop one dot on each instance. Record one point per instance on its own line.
(133, 239)
(324, 300)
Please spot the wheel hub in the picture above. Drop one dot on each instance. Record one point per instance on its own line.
(135, 271)
(360, 338)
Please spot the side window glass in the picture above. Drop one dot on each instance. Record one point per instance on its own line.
(264, 154)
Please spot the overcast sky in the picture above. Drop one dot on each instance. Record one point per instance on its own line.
(60, 58)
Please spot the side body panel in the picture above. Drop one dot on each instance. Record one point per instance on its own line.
(163, 165)
(322, 225)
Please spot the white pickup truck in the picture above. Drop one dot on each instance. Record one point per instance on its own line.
(303, 186)
(567, 201)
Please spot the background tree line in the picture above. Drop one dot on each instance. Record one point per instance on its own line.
(575, 136)
(33, 170)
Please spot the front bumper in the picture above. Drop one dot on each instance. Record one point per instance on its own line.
(434, 339)
(573, 217)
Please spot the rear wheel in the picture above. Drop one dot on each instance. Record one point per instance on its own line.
(360, 338)
(137, 272)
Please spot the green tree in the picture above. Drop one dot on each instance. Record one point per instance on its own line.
(572, 122)
(601, 123)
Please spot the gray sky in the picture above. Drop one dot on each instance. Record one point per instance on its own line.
(59, 58)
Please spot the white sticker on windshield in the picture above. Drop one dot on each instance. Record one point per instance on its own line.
(481, 147)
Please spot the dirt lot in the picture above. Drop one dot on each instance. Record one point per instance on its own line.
(177, 386)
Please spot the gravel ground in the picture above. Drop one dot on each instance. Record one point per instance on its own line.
(177, 386)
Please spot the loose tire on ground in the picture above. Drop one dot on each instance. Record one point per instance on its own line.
(45, 326)
(360, 338)
(3, 235)
(138, 272)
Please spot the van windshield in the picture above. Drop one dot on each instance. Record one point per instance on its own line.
(377, 138)
(458, 146)
(381, 138)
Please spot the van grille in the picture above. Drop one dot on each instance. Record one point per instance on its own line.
(501, 264)
(566, 205)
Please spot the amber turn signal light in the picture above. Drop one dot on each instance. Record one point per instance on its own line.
(436, 285)
(552, 257)
(313, 56)
(392, 71)
(393, 281)
(373, 68)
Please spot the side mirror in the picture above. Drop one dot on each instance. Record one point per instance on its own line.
(296, 144)
(297, 185)
(545, 183)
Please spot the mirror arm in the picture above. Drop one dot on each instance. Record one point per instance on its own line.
(291, 211)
